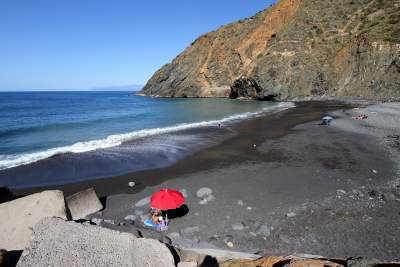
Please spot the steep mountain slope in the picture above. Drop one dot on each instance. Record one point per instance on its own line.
(296, 49)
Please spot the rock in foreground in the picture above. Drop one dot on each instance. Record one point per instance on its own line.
(20, 215)
(60, 243)
(83, 204)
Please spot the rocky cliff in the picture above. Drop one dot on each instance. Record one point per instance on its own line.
(296, 49)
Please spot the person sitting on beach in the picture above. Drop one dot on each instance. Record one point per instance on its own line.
(156, 216)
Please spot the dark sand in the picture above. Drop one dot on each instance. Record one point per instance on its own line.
(304, 188)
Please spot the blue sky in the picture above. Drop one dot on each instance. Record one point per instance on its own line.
(79, 44)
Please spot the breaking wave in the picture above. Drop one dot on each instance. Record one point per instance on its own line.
(9, 161)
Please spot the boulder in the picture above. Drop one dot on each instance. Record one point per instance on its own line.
(20, 215)
(204, 192)
(83, 204)
(59, 243)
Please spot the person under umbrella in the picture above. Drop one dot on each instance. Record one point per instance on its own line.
(164, 200)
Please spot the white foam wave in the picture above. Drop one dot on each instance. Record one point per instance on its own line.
(9, 161)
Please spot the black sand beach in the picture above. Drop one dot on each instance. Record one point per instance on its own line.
(280, 183)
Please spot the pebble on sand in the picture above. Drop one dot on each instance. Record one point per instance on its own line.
(204, 192)
(290, 214)
(238, 226)
(131, 184)
(130, 218)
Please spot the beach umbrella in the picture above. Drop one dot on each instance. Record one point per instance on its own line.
(167, 199)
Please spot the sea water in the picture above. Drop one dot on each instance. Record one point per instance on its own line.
(117, 130)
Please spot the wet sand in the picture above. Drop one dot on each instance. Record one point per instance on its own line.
(303, 188)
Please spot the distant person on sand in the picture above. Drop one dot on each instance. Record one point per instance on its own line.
(219, 125)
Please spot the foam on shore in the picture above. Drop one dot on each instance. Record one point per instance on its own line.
(9, 161)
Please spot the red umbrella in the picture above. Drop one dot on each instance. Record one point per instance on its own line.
(167, 199)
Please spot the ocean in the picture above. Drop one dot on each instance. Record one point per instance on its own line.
(49, 138)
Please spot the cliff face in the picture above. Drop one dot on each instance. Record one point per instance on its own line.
(296, 49)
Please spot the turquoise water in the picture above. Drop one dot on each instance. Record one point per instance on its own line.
(35, 126)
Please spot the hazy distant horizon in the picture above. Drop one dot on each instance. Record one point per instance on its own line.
(129, 87)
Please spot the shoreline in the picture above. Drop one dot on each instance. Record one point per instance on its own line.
(235, 148)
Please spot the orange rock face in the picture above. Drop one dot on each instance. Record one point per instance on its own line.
(296, 49)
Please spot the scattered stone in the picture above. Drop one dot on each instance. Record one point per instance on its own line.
(290, 214)
(184, 192)
(187, 264)
(341, 191)
(143, 202)
(130, 218)
(121, 224)
(96, 221)
(131, 184)
(264, 229)
(249, 208)
(110, 221)
(83, 203)
(20, 215)
(240, 202)
(238, 226)
(375, 171)
(204, 192)
(253, 234)
(227, 239)
(229, 244)
(138, 212)
(206, 199)
(190, 230)
(59, 243)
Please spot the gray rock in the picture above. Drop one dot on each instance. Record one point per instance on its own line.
(131, 218)
(290, 214)
(143, 202)
(138, 212)
(96, 221)
(109, 221)
(264, 229)
(59, 243)
(131, 184)
(238, 226)
(20, 215)
(203, 192)
(190, 230)
(184, 192)
(187, 264)
(206, 199)
(83, 203)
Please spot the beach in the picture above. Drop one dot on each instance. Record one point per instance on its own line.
(281, 184)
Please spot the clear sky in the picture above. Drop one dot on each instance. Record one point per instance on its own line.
(79, 44)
